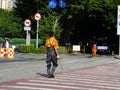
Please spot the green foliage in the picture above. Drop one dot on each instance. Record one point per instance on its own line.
(9, 24)
(62, 50)
(26, 48)
(17, 41)
(31, 49)
(70, 24)
(49, 21)
(47, 25)
(25, 8)
(23, 41)
(41, 50)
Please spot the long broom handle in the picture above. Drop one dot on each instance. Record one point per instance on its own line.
(59, 62)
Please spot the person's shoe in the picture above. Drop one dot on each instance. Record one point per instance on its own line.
(50, 76)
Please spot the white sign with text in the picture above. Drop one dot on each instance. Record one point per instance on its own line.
(76, 47)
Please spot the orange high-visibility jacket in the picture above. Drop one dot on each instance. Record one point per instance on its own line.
(51, 42)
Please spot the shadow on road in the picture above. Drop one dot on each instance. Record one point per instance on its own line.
(89, 56)
(42, 74)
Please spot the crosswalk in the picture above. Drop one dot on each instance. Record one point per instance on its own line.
(99, 77)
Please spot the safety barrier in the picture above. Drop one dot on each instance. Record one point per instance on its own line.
(2, 52)
(6, 53)
(10, 53)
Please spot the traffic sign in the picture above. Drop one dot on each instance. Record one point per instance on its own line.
(27, 28)
(52, 4)
(61, 3)
(37, 16)
(27, 22)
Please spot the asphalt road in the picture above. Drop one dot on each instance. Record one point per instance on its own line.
(28, 65)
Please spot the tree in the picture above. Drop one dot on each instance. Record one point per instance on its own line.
(49, 21)
(78, 21)
(25, 8)
(9, 26)
(85, 18)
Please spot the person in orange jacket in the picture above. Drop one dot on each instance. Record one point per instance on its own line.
(94, 49)
(51, 45)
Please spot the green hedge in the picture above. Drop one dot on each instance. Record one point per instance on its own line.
(23, 41)
(23, 48)
(41, 50)
(31, 49)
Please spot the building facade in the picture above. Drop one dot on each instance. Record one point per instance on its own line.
(6, 4)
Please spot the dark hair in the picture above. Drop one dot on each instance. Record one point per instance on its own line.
(51, 34)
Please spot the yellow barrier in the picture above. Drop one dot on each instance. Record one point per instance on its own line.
(6, 53)
(10, 53)
(3, 52)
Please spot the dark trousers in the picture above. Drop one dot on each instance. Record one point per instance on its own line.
(51, 61)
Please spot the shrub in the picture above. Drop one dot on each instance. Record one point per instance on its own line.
(62, 50)
(41, 50)
(23, 41)
(26, 48)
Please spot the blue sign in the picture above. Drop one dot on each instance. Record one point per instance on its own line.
(52, 4)
(119, 23)
(61, 4)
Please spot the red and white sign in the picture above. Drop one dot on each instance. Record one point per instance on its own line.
(27, 22)
(37, 16)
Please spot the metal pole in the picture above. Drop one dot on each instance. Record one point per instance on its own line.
(60, 64)
(37, 34)
(27, 37)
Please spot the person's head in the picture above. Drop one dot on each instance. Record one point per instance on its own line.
(6, 39)
(51, 34)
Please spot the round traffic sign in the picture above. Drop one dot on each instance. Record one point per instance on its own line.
(27, 22)
(62, 4)
(52, 4)
(37, 16)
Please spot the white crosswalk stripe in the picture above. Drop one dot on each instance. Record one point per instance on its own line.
(27, 87)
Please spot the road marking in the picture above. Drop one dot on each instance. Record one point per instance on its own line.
(70, 86)
(50, 85)
(27, 87)
(102, 77)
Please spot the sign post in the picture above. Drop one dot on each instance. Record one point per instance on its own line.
(118, 26)
(53, 4)
(27, 28)
(37, 17)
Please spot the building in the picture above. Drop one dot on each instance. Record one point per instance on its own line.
(6, 4)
